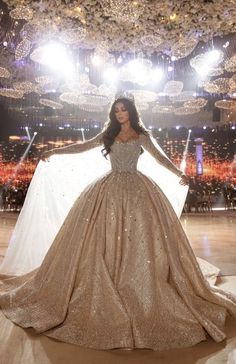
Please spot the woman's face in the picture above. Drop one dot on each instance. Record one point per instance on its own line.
(121, 113)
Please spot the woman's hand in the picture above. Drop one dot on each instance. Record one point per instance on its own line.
(46, 155)
(184, 180)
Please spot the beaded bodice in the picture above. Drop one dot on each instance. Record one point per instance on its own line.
(124, 156)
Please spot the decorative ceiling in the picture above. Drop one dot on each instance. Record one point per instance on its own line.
(134, 41)
(126, 25)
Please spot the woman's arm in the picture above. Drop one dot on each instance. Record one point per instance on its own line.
(78, 147)
(148, 144)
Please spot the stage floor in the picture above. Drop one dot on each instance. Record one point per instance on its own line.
(212, 237)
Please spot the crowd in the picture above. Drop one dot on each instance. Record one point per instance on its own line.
(215, 188)
(12, 197)
(229, 193)
(204, 194)
(208, 192)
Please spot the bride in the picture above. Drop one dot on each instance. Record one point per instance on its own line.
(120, 272)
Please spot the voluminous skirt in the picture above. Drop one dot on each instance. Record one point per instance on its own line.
(120, 273)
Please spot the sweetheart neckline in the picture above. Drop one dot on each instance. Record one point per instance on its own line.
(128, 141)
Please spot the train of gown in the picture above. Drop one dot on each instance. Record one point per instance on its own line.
(120, 272)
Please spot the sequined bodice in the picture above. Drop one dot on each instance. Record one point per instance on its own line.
(124, 156)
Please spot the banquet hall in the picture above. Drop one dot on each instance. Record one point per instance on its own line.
(62, 65)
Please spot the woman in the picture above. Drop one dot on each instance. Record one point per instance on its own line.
(120, 272)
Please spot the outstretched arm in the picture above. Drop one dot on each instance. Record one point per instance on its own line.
(148, 144)
(76, 147)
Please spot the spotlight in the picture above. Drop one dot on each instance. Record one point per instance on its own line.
(119, 59)
(170, 69)
(56, 57)
(233, 127)
(110, 75)
(138, 71)
(213, 56)
(204, 127)
(173, 17)
(96, 60)
(156, 74)
(177, 127)
(35, 133)
(183, 165)
(210, 60)
(173, 58)
(5, 43)
(27, 132)
(160, 129)
(226, 45)
(203, 71)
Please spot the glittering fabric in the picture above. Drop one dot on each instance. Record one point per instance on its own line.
(121, 272)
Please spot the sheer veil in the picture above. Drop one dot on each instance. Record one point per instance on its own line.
(52, 192)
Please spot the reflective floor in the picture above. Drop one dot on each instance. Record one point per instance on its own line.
(212, 237)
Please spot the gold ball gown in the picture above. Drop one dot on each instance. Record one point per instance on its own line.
(120, 272)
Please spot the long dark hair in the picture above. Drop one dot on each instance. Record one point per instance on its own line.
(113, 127)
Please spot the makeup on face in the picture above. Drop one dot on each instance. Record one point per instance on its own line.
(121, 113)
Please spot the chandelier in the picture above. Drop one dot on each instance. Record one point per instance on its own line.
(173, 88)
(226, 104)
(218, 86)
(50, 103)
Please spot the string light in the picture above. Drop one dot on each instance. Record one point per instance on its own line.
(173, 17)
